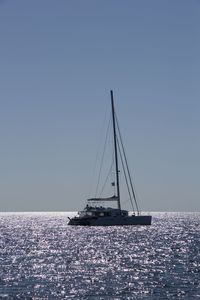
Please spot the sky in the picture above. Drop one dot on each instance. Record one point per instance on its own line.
(58, 62)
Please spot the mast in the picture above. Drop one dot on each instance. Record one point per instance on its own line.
(115, 147)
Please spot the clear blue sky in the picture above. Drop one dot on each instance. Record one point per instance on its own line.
(58, 62)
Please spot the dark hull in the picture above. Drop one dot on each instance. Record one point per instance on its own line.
(111, 221)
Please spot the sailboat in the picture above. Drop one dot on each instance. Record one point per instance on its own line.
(98, 215)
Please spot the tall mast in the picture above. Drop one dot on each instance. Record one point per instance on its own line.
(115, 147)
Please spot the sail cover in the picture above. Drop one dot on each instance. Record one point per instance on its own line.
(113, 198)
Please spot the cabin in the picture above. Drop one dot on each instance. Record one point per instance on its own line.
(99, 211)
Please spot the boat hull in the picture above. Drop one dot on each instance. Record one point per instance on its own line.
(111, 221)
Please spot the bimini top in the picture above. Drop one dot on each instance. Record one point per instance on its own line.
(113, 198)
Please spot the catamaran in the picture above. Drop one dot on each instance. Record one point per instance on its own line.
(98, 215)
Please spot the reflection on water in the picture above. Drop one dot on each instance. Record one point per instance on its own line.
(41, 257)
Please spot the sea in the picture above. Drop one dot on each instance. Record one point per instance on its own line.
(42, 257)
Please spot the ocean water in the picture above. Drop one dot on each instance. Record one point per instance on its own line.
(41, 257)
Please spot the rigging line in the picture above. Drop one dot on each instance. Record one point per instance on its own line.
(91, 186)
(132, 188)
(102, 158)
(110, 169)
(125, 175)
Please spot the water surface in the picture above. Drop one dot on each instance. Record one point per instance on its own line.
(41, 257)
